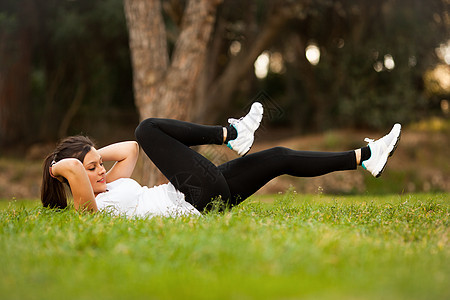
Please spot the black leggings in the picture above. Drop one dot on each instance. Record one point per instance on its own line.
(166, 142)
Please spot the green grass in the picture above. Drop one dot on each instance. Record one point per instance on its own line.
(308, 247)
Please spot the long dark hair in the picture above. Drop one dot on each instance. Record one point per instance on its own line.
(53, 193)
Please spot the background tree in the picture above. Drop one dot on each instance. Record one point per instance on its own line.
(354, 39)
(252, 27)
(16, 44)
(163, 86)
(65, 65)
(78, 70)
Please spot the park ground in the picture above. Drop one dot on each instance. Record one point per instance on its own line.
(287, 246)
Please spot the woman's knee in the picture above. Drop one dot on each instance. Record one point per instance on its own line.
(145, 129)
(279, 150)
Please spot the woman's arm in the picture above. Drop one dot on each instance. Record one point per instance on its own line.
(73, 170)
(125, 154)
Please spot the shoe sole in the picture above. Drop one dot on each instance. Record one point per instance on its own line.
(246, 152)
(396, 143)
(390, 153)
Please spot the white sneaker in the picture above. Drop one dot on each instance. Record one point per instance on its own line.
(381, 150)
(246, 128)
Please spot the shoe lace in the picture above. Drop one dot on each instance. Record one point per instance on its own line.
(234, 121)
(368, 140)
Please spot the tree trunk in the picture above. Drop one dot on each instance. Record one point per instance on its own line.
(72, 110)
(15, 69)
(48, 123)
(162, 88)
(149, 55)
(315, 98)
(14, 93)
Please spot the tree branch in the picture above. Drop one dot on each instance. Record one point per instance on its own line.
(239, 66)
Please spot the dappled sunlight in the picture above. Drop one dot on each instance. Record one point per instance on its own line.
(437, 81)
(312, 54)
(443, 52)
(262, 65)
(276, 63)
(389, 63)
(412, 61)
(268, 61)
(235, 48)
(378, 66)
(445, 106)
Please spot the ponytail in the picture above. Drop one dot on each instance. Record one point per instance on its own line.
(53, 193)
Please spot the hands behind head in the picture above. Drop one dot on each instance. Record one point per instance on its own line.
(59, 170)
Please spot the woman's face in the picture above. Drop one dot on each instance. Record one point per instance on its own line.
(93, 164)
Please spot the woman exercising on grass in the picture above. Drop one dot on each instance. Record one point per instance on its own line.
(194, 181)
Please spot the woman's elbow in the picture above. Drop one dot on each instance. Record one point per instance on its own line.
(134, 148)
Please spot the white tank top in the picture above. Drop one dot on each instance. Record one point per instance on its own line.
(127, 197)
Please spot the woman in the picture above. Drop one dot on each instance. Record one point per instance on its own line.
(194, 181)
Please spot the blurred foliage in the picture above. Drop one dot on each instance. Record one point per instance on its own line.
(75, 44)
(81, 46)
(353, 37)
(432, 125)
